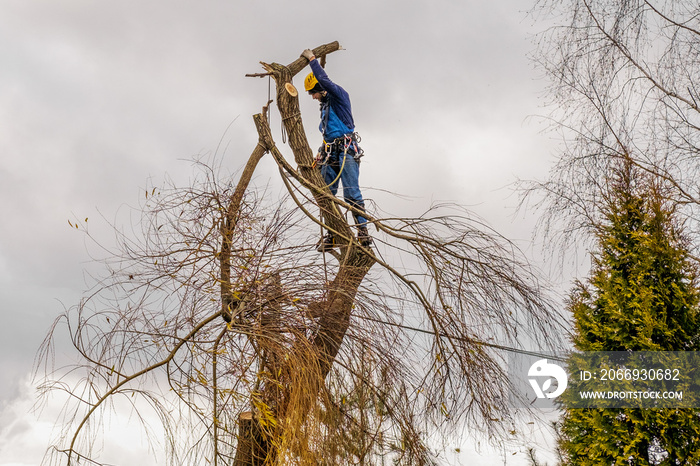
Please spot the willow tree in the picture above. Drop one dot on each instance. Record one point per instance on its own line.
(251, 348)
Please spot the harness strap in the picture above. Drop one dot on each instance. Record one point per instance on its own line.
(345, 142)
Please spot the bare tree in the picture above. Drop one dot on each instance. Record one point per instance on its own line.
(253, 349)
(623, 80)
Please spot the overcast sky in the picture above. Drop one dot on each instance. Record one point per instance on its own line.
(100, 99)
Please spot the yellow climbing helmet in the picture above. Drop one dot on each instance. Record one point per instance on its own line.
(310, 82)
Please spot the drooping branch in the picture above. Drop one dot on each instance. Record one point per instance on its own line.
(118, 386)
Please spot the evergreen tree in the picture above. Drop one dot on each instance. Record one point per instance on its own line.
(642, 295)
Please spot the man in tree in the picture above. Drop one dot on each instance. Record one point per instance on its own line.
(282, 385)
(339, 156)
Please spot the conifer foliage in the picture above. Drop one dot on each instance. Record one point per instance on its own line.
(641, 296)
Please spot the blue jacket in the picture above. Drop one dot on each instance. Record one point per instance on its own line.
(336, 111)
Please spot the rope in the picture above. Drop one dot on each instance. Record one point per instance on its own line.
(325, 264)
(346, 145)
(284, 132)
(341, 170)
(269, 87)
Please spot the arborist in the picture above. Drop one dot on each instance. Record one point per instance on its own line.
(339, 156)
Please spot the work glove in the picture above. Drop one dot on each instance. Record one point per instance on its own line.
(308, 54)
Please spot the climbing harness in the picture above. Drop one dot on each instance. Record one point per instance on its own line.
(346, 142)
(329, 149)
(359, 151)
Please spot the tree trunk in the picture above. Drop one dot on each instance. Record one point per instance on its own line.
(334, 320)
(252, 448)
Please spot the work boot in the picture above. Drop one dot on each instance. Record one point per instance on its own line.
(326, 243)
(363, 237)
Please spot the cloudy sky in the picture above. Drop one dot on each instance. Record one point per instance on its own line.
(100, 99)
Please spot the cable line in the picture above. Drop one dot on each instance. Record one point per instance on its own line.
(471, 340)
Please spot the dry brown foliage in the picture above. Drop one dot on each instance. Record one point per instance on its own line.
(251, 348)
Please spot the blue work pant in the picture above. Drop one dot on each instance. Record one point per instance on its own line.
(350, 177)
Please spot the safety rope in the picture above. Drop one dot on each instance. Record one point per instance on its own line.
(340, 172)
(347, 142)
(325, 264)
(269, 93)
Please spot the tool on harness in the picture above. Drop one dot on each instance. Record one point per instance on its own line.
(346, 143)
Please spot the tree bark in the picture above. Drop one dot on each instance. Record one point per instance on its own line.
(252, 446)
